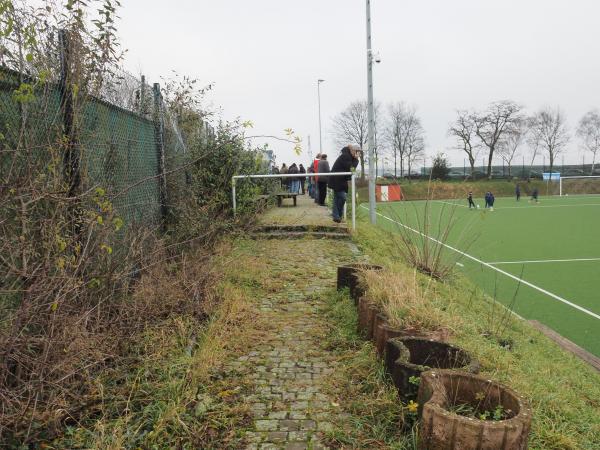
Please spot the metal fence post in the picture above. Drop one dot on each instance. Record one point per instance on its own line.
(71, 158)
(159, 137)
(233, 195)
(353, 201)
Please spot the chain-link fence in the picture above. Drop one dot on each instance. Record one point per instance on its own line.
(129, 143)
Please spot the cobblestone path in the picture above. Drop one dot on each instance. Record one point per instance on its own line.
(288, 366)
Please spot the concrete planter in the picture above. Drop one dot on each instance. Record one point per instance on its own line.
(367, 313)
(407, 357)
(383, 331)
(348, 277)
(441, 429)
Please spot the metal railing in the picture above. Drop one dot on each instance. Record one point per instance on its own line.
(295, 175)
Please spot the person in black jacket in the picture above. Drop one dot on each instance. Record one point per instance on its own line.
(302, 179)
(346, 162)
(323, 167)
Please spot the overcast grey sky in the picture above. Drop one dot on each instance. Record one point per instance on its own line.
(265, 57)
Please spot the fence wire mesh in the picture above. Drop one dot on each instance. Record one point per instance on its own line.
(120, 136)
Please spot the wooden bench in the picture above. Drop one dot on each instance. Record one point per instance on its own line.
(282, 195)
(260, 201)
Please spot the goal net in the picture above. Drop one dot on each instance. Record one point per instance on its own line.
(580, 185)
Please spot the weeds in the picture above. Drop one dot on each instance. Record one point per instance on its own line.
(363, 387)
(406, 302)
(423, 237)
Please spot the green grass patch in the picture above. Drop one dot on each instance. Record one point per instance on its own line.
(545, 244)
(562, 390)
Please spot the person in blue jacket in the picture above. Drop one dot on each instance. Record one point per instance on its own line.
(491, 201)
(518, 192)
(487, 199)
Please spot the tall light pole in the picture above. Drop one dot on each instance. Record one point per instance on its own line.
(371, 117)
(319, 81)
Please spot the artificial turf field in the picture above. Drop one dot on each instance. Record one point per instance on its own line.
(552, 246)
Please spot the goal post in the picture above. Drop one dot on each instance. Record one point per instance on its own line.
(281, 175)
(581, 184)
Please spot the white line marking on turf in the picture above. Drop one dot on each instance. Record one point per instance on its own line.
(549, 206)
(451, 204)
(521, 207)
(509, 275)
(543, 261)
(460, 264)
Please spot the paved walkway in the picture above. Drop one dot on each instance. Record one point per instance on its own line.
(306, 213)
(288, 366)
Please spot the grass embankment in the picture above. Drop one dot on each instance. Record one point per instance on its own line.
(423, 189)
(563, 391)
(377, 419)
(175, 396)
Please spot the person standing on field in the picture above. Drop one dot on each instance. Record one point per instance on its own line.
(346, 162)
(491, 201)
(534, 195)
(470, 198)
(323, 168)
(518, 192)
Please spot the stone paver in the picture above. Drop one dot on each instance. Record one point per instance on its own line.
(288, 366)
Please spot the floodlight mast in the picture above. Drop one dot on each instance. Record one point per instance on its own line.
(371, 118)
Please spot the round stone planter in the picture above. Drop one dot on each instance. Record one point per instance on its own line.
(407, 357)
(347, 276)
(383, 331)
(367, 312)
(441, 429)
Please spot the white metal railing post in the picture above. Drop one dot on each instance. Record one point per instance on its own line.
(353, 201)
(233, 194)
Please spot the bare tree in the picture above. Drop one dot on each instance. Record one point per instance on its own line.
(464, 131)
(589, 133)
(491, 124)
(403, 133)
(549, 130)
(351, 126)
(416, 147)
(510, 144)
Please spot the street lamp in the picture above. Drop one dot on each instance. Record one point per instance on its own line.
(371, 117)
(319, 81)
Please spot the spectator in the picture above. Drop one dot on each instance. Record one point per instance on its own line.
(284, 181)
(302, 179)
(316, 178)
(346, 162)
(294, 183)
(323, 167)
(311, 182)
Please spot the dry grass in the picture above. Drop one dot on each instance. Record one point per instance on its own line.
(406, 299)
(174, 392)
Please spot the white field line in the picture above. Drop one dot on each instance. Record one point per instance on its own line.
(521, 207)
(550, 206)
(450, 203)
(531, 261)
(509, 275)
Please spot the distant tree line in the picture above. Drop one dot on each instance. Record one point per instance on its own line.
(501, 130)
